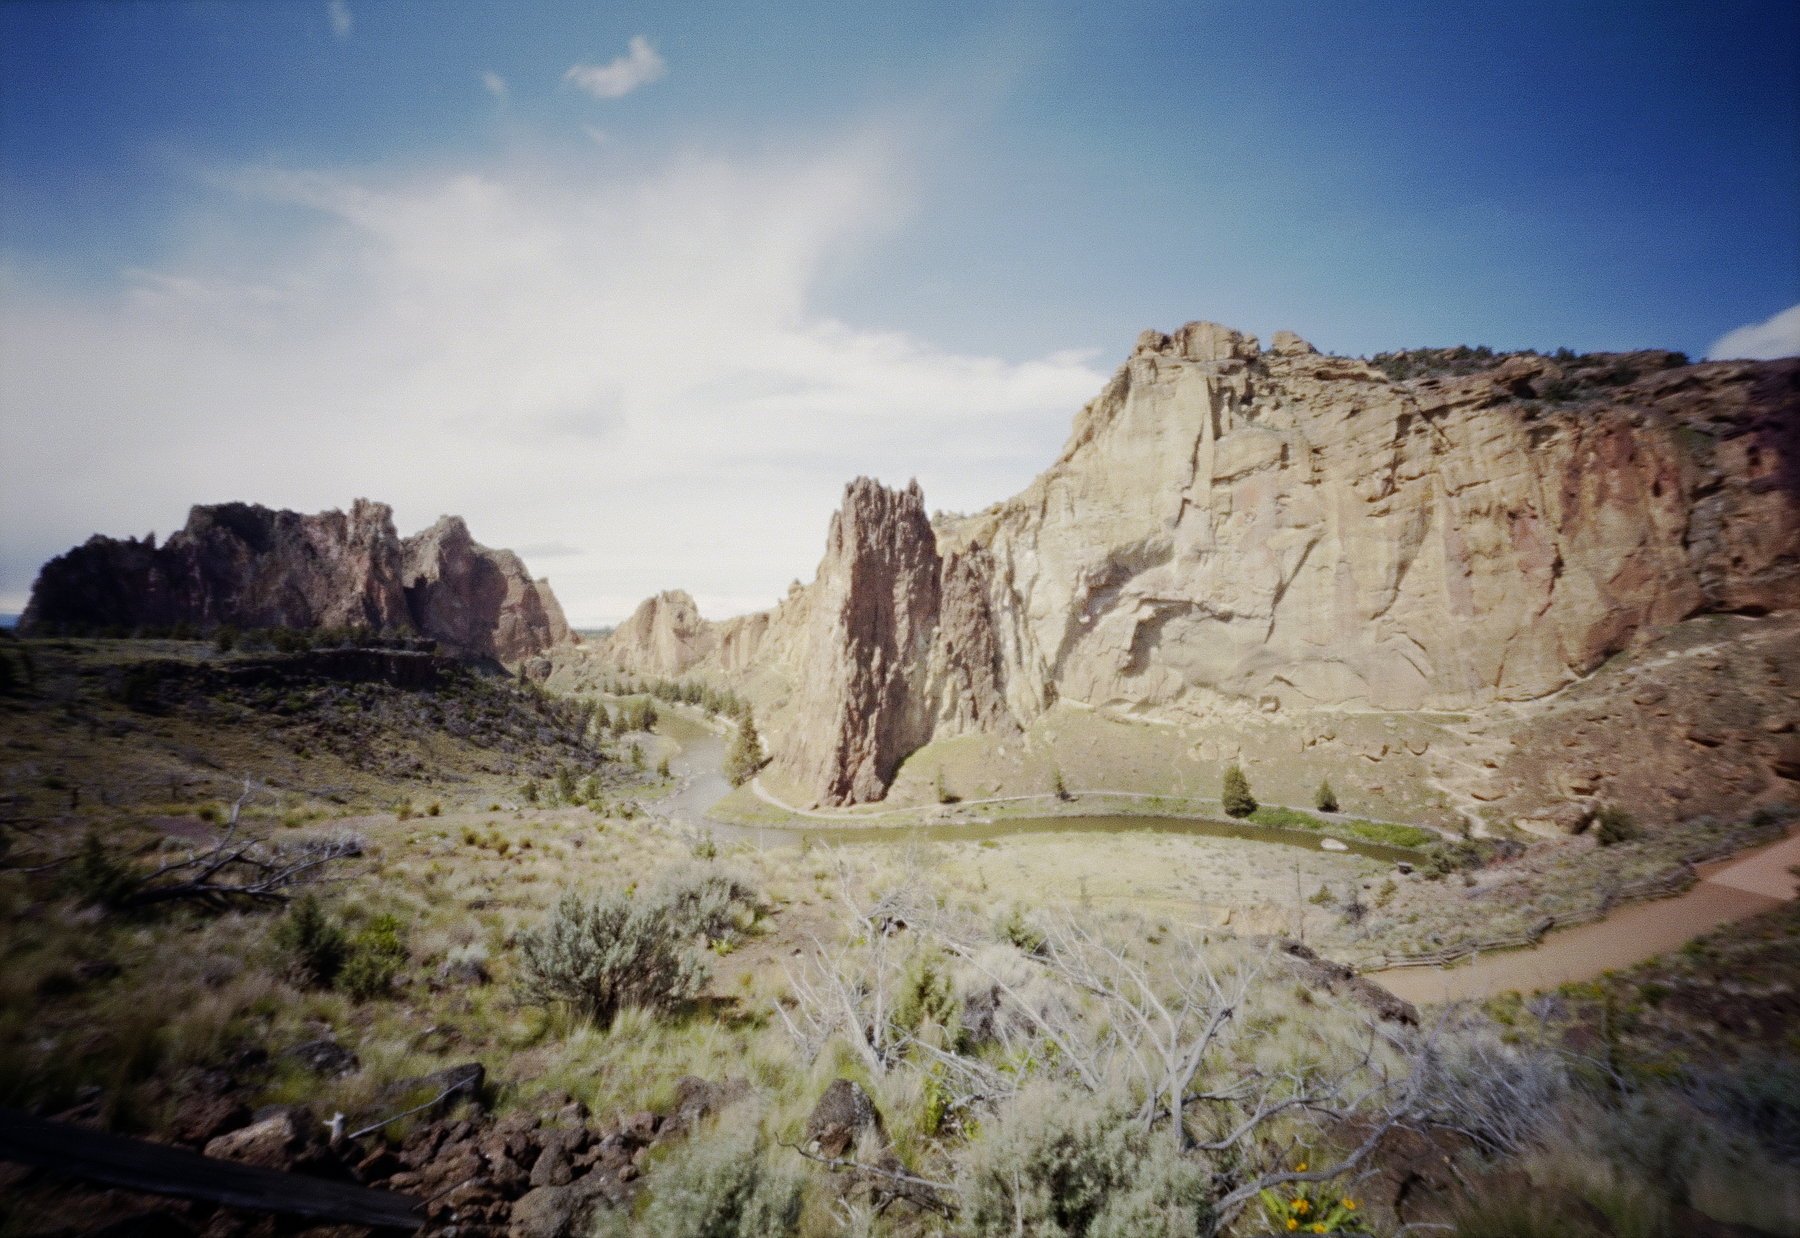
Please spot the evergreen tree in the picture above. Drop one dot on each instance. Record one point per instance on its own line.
(745, 756)
(1325, 799)
(1236, 796)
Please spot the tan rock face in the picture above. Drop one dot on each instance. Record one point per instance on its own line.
(664, 636)
(1234, 534)
(246, 565)
(1296, 529)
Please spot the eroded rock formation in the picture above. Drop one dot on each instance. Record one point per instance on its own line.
(899, 649)
(244, 564)
(1244, 536)
(478, 600)
(664, 636)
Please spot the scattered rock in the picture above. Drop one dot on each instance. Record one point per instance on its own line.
(282, 1137)
(324, 1057)
(844, 1117)
(202, 1119)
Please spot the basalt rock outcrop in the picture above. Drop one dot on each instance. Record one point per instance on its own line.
(1233, 534)
(475, 599)
(243, 564)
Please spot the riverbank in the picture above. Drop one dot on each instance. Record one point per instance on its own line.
(1730, 890)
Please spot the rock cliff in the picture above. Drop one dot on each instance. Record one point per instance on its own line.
(478, 600)
(1254, 538)
(244, 564)
(1227, 526)
(899, 650)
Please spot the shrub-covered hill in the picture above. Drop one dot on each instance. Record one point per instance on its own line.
(92, 726)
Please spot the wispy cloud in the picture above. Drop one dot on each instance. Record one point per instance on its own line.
(1778, 336)
(342, 22)
(624, 75)
(567, 351)
(494, 83)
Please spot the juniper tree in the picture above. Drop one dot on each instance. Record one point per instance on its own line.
(745, 756)
(1236, 795)
(1325, 799)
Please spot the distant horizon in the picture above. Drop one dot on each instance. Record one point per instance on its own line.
(636, 291)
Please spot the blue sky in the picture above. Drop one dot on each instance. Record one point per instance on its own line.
(637, 288)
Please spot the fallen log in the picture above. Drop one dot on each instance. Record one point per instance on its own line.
(136, 1165)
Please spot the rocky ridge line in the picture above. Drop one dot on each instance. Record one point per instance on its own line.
(243, 564)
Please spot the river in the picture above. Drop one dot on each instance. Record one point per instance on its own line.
(1728, 890)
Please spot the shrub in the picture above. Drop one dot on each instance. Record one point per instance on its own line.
(927, 993)
(1015, 928)
(225, 637)
(1325, 799)
(315, 945)
(610, 949)
(1057, 1164)
(703, 900)
(99, 876)
(141, 688)
(1238, 801)
(375, 958)
(1614, 825)
(720, 1185)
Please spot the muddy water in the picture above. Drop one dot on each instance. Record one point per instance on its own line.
(1727, 891)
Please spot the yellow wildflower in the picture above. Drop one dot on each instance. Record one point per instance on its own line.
(1350, 1205)
(1302, 1207)
(1293, 1224)
(1318, 1229)
(1300, 1168)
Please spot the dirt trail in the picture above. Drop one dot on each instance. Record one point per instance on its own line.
(1729, 890)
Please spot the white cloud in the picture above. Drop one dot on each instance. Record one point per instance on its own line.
(567, 354)
(1773, 337)
(496, 85)
(623, 75)
(342, 23)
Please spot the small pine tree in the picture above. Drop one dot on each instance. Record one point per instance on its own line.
(944, 795)
(1057, 788)
(313, 942)
(1236, 795)
(1325, 799)
(745, 756)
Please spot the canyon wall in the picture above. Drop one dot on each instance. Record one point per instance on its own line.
(1239, 533)
(243, 564)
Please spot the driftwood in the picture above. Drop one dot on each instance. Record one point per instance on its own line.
(140, 1166)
